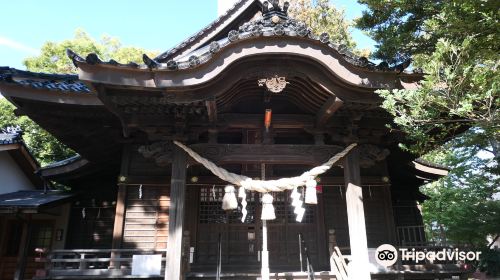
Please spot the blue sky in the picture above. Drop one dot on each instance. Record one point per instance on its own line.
(149, 24)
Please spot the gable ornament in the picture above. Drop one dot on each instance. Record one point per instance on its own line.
(274, 84)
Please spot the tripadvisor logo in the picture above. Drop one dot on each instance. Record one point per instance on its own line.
(387, 255)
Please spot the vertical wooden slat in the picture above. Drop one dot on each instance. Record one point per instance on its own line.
(389, 214)
(356, 217)
(322, 244)
(414, 234)
(176, 215)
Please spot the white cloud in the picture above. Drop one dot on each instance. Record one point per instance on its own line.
(9, 43)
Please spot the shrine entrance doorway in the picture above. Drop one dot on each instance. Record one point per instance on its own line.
(242, 242)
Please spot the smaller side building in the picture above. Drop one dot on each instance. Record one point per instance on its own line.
(17, 165)
(32, 217)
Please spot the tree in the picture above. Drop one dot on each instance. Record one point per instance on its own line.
(463, 207)
(44, 147)
(53, 59)
(405, 28)
(321, 16)
(456, 44)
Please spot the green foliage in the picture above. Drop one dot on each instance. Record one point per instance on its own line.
(321, 16)
(44, 147)
(462, 204)
(456, 43)
(490, 262)
(456, 92)
(404, 28)
(53, 58)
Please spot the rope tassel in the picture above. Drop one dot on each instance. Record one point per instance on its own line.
(229, 201)
(267, 207)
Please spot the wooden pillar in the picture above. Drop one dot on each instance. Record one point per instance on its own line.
(118, 227)
(359, 265)
(176, 215)
(121, 197)
(23, 249)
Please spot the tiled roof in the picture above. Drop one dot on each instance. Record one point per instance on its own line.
(23, 200)
(57, 82)
(431, 164)
(182, 46)
(63, 162)
(267, 26)
(10, 135)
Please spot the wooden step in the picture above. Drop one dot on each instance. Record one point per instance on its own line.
(256, 276)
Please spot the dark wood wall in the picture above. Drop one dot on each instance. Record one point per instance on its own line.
(91, 219)
(378, 215)
(146, 217)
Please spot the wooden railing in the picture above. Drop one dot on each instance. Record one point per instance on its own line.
(411, 236)
(338, 264)
(95, 262)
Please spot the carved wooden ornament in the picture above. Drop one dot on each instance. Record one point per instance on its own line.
(275, 84)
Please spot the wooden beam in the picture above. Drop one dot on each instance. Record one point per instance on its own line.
(247, 153)
(211, 110)
(213, 180)
(104, 98)
(255, 121)
(327, 110)
(228, 120)
(359, 266)
(176, 215)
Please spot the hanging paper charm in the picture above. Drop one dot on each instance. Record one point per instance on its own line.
(297, 204)
(243, 195)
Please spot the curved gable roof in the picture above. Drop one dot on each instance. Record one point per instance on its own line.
(241, 12)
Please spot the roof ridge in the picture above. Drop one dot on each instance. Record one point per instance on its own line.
(431, 164)
(11, 135)
(30, 74)
(177, 48)
(62, 162)
(58, 82)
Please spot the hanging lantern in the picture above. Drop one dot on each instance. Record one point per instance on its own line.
(229, 201)
(311, 197)
(267, 207)
(267, 119)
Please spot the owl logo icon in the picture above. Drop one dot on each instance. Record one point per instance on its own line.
(386, 255)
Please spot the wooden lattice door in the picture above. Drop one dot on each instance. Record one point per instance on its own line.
(242, 242)
(239, 240)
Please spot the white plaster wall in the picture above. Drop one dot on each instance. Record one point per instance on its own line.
(12, 177)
